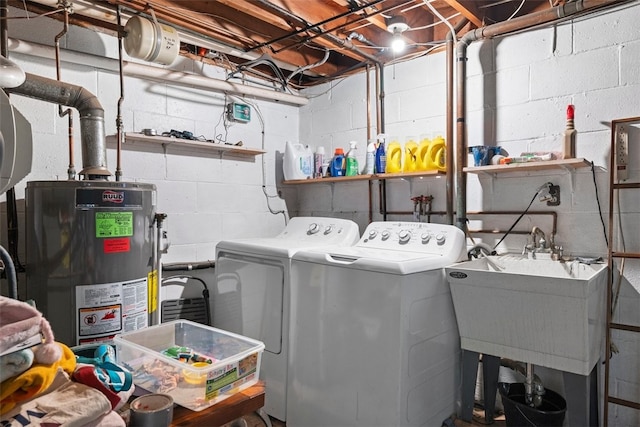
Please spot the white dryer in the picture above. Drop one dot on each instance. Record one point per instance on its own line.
(373, 331)
(251, 294)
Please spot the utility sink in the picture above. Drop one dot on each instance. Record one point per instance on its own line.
(540, 311)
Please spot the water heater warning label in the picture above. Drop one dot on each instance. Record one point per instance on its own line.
(114, 224)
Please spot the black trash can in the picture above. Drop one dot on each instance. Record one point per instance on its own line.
(518, 414)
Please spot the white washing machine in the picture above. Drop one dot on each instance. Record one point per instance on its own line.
(251, 294)
(374, 340)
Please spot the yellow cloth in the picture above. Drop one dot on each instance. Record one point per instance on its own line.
(34, 380)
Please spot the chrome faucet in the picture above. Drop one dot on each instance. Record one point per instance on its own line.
(538, 243)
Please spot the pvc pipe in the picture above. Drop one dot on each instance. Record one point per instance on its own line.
(147, 72)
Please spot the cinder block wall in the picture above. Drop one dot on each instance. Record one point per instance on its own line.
(207, 198)
(518, 89)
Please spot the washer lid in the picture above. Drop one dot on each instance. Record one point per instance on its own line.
(300, 233)
(377, 260)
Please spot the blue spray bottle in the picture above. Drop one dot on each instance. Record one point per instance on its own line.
(381, 155)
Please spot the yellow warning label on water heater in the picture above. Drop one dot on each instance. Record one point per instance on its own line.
(114, 224)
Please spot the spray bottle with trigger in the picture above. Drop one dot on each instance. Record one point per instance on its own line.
(381, 156)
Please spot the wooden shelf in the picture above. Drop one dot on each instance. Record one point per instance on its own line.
(566, 164)
(132, 139)
(374, 177)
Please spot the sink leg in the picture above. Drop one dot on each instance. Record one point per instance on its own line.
(581, 394)
(469, 376)
(490, 372)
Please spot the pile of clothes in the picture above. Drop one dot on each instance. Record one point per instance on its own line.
(46, 384)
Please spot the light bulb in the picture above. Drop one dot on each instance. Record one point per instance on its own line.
(397, 44)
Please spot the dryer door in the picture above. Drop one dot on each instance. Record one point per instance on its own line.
(248, 298)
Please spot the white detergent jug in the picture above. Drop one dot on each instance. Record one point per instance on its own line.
(297, 162)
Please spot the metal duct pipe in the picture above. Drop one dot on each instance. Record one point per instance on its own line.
(548, 16)
(94, 148)
(450, 151)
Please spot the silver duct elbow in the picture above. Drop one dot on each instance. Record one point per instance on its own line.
(94, 148)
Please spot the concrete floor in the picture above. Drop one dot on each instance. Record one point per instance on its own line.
(253, 420)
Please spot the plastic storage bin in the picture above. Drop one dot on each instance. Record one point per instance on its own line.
(235, 362)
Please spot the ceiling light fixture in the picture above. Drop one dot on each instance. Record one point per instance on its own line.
(397, 25)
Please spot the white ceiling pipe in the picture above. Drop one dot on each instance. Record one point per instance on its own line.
(147, 72)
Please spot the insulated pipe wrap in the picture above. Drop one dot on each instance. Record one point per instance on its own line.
(94, 148)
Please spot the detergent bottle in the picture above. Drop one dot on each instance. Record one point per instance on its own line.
(352, 160)
(297, 162)
(381, 154)
(436, 154)
(394, 156)
(410, 155)
(337, 166)
(423, 146)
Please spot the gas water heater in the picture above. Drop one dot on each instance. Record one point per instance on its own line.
(90, 256)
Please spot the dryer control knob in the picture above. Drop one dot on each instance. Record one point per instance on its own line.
(328, 230)
(372, 234)
(441, 238)
(404, 236)
(385, 234)
(425, 238)
(313, 228)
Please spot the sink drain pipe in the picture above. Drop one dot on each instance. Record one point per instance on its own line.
(548, 16)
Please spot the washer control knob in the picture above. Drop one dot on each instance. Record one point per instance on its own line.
(441, 238)
(385, 234)
(372, 234)
(328, 230)
(313, 228)
(404, 236)
(425, 238)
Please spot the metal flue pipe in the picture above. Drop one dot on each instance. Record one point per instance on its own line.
(94, 148)
(547, 16)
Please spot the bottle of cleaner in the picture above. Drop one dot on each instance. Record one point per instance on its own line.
(381, 155)
(394, 156)
(352, 160)
(410, 155)
(318, 161)
(570, 134)
(371, 158)
(337, 164)
(297, 161)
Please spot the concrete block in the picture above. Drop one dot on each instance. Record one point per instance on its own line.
(540, 45)
(176, 197)
(422, 102)
(570, 77)
(611, 28)
(480, 57)
(511, 86)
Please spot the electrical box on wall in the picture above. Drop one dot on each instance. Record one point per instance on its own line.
(237, 112)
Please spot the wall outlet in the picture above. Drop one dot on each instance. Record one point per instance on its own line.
(554, 194)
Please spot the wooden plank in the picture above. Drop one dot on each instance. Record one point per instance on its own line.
(468, 9)
(530, 166)
(240, 404)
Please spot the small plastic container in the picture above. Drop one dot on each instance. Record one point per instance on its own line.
(235, 362)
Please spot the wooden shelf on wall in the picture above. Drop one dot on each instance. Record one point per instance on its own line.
(565, 164)
(374, 177)
(141, 140)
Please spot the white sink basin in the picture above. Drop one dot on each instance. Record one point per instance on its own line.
(548, 313)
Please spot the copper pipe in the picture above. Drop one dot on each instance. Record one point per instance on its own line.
(316, 25)
(71, 170)
(119, 132)
(369, 183)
